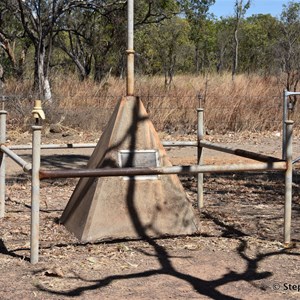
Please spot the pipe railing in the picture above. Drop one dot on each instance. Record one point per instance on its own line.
(130, 48)
(190, 169)
(264, 163)
(3, 114)
(26, 166)
(287, 107)
(288, 183)
(35, 191)
(239, 152)
(200, 135)
(168, 144)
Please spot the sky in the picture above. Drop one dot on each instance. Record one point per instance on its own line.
(225, 8)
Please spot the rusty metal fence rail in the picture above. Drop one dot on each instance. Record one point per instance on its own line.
(265, 163)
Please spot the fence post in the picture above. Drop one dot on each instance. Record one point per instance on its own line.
(288, 183)
(284, 118)
(130, 48)
(3, 114)
(38, 114)
(200, 134)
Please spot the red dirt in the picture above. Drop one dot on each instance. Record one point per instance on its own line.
(238, 253)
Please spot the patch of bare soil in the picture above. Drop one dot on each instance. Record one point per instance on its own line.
(237, 254)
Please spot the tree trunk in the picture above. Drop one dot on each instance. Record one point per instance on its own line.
(100, 71)
(235, 54)
(41, 80)
(197, 60)
(84, 71)
(221, 60)
(1, 77)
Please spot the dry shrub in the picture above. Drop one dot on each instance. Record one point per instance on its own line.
(249, 102)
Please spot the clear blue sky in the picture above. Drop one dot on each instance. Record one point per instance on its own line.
(225, 8)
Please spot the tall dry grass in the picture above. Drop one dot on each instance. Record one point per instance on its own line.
(251, 102)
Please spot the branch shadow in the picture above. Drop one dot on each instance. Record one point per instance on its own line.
(5, 251)
(62, 161)
(203, 287)
(207, 288)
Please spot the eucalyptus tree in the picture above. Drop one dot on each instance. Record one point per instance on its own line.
(13, 43)
(155, 11)
(173, 40)
(258, 36)
(109, 45)
(288, 46)
(88, 37)
(223, 44)
(197, 12)
(96, 39)
(240, 8)
(75, 44)
(163, 48)
(41, 20)
(147, 13)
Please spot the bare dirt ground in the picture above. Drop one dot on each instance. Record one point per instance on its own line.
(237, 254)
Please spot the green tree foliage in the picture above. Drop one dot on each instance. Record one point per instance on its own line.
(196, 13)
(154, 11)
(96, 39)
(288, 46)
(13, 43)
(240, 8)
(223, 29)
(171, 37)
(92, 39)
(258, 36)
(164, 48)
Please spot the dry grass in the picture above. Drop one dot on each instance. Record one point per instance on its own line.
(248, 103)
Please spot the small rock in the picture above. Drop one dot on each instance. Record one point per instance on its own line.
(55, 128)
(65, 134)
(55, 272)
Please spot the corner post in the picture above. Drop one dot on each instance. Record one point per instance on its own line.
(38, 114)
(130, 48)
(3, 114)
(200, 134)
(288, 183)
(284, 118)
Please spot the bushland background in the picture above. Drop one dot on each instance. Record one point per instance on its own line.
(71, 54)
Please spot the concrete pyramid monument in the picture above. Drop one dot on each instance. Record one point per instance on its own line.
(123, 207)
